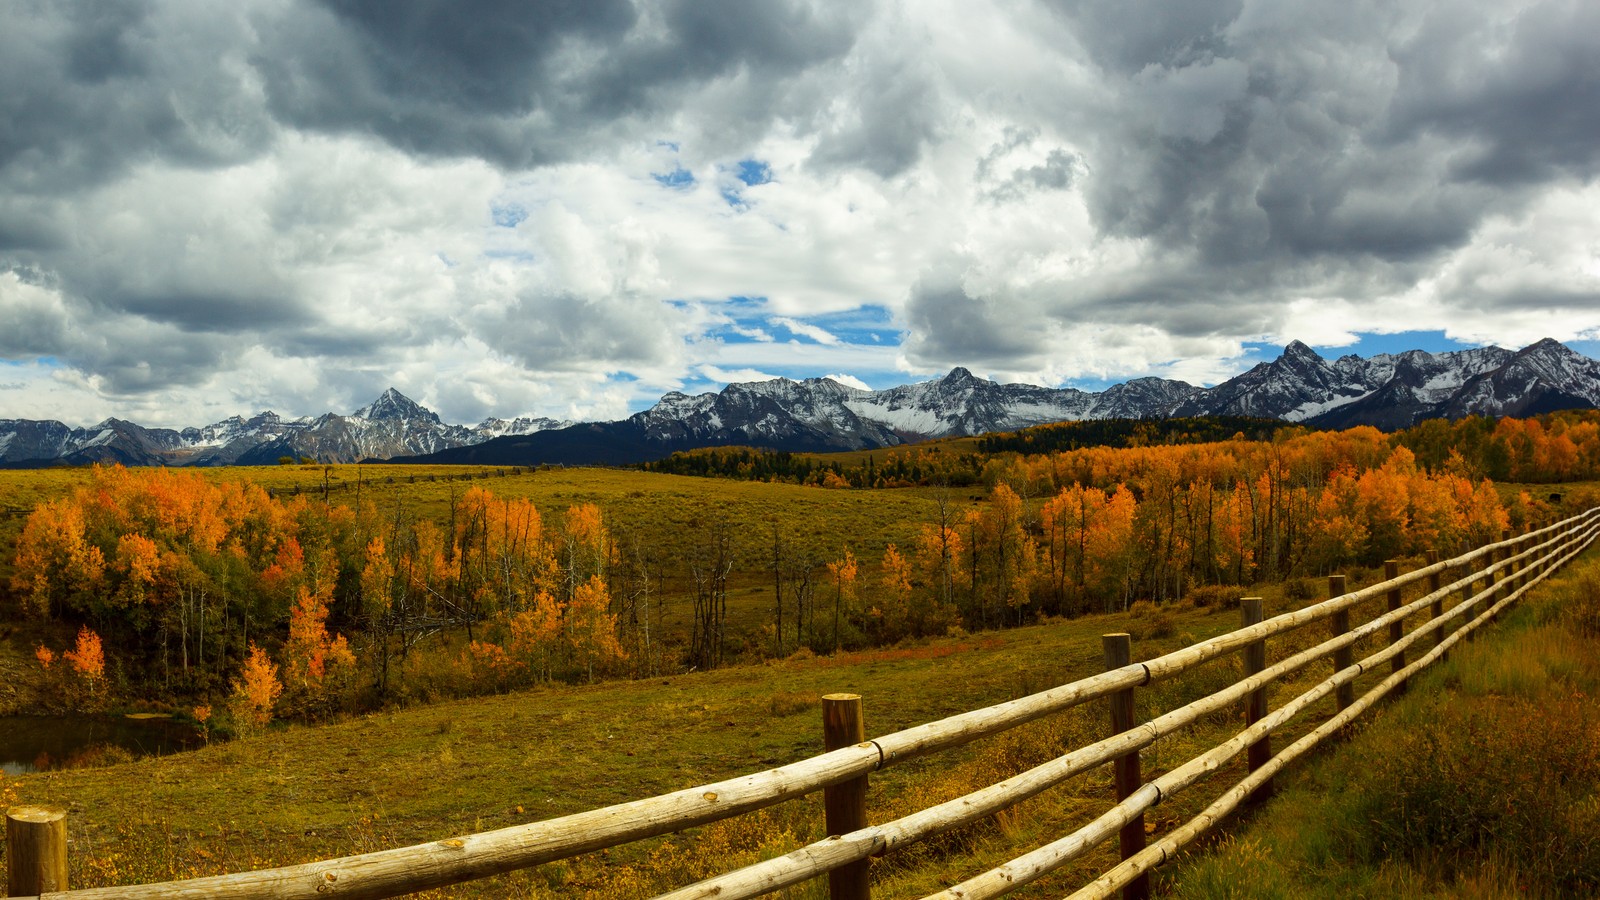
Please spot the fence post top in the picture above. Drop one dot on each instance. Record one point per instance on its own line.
(841, 698)
(35, 814)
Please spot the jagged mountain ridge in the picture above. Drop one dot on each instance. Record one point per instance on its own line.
(1392, 391)
(1389, 391)
(392, 425)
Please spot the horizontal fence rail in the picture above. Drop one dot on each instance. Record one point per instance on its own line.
(1488, 580)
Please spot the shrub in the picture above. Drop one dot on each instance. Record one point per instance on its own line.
(1224, 595)
(1148, 621)
(1298, 589)
(788, 703)
(1462, 783)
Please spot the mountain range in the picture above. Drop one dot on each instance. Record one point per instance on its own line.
(1389, 391)
(392, 425)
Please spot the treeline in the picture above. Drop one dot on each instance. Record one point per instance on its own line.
(1544, 449)
(901, 468)
(1129, 433)
(1549, 448)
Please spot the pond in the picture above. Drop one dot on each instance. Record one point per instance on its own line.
(40, 743)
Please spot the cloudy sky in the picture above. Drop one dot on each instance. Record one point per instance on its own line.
(569, 208)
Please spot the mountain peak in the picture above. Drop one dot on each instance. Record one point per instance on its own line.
(395, 405)
(1548, 345)
(1298, 350)
(958, 375)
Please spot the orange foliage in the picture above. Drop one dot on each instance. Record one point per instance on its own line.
(87, 658)
(255, 692)
(311, 649)
(591, 627)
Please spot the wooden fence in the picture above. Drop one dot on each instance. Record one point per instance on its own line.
(1459, 595)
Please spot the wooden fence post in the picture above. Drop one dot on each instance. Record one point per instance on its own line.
(1125, 769)
(845, 804)
(36, 850)
(1345, 656)
(1391, 571)
(1255, 705)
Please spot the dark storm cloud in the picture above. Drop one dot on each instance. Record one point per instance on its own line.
(135, 356)
(892, 111)
(1275, 152)
(92, 88)
(1124, 36)
(1521, 96)
(563, 332)
(947, 323)
(1338, 142)
(521, 83)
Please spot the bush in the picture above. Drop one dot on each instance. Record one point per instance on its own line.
(788, 703)
(1225, 596)
(1148, 621)
(1298, 589)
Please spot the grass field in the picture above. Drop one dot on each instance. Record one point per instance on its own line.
(410, 775)
(1482, 782)
(393, 778)
(406, 776)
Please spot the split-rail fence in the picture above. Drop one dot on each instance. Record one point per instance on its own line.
(1458, 596)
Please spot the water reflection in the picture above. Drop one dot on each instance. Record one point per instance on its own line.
(40, 743)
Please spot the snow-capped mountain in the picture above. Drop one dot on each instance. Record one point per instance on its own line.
(1393, 391)
(392, 425)
(1389, 391)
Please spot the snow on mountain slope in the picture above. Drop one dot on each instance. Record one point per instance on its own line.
(1389, 391)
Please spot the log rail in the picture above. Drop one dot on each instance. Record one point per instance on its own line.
(1485, 581)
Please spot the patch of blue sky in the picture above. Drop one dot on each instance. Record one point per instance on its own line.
(678, 179)
(753, 172)
(674, 146)
(698, 381)
(869, 324)
(1367, 345)
(746, 173)
(1093, 385)
(1371, 345)
(752, 322)
(508, 215)
(49, 362)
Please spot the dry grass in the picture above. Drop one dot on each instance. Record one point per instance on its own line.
(1484, 781)
(407, 776)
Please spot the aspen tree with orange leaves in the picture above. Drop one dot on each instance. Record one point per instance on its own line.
(255, 693)
(894, 611)
(843, 574)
